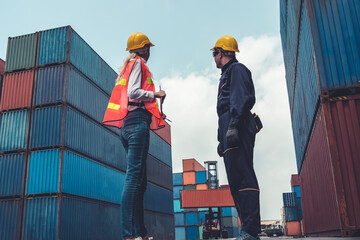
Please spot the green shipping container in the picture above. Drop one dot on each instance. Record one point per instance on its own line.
(21, 52)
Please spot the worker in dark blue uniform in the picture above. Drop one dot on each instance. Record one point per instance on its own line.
(236, 134)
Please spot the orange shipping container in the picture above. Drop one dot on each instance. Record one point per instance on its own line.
(164, 133)
(189, 178)
(293, 228)
(201, 187)
(17, 90)
(192, 165)
(206, 198)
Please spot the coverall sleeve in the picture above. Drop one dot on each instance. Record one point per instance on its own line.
(242, 94)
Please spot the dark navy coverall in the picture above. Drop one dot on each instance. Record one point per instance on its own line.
(236, 97)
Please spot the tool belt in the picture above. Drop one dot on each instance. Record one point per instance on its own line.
(138, 104)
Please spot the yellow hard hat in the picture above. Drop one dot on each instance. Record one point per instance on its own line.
(137, 40)
(227, 43)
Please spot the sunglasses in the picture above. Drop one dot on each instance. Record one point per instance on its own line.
(216, 52)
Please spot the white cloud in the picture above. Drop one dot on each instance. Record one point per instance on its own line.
(191, 105)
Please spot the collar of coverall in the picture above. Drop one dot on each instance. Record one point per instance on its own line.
(226, 66)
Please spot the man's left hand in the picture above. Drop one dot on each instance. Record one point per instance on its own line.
(232, 137)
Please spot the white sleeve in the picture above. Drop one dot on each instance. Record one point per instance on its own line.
(134, 90)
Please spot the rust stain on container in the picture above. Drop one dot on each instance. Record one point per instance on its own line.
(189, 178)
(192, 165)
(17, 90)
(206, 198)
(330, 183)
(164, 133)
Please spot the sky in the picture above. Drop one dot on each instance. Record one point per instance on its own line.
(183, 33)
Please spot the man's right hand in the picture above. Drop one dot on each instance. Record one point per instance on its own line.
(219, 150)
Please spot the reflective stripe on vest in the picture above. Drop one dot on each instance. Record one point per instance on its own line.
(118, 103)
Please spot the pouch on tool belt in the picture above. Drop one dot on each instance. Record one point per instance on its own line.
(258, 122)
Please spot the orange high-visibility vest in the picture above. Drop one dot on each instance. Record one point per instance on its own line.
(118, 103)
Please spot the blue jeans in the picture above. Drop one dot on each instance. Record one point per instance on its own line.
(135, 139)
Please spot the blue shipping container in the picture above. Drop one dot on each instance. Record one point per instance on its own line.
(10, 214)
(202, 217)
(296, 190)
(191, 218)
(192, 233)
(299, 206)
(13, 130)
(291, 214)
(160, 225)
(69, 218)
(177, 179)
(176, 191)
(158, 172)
(53, 48)
(200, 177)
(289, 199)
(12, 174)
(180, 233)
(177, 206)
(179, 219)
(160, 149)
(229, 211)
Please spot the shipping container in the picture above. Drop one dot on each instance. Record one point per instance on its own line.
(159, 149)
(158, 172)
(179, 219)
(190, 165)
(189, 187)
(62, 44)
(192, 233)
(21, 52)
(176, 191)
(200, 177)
(329, 181)
(295, 180)
(10, 218)
(229, 221)
(17, 90)
(201, 186)
(296, 190)
(177, 206)
(292, 214)
(12, 174)
(229, 211)
(201, 216)
(189, 178)
(160, 226)
(293, 228)
(68, 217)
(2, 67)
(289, 199)
(180, 233)
(64, 126)
(191, 218)
(206, 198)
(164, 133)
(1, 85)
(336, 38)
(14, 130)
(64, 84)
(233, 232)
(158, 199)
(177, 179)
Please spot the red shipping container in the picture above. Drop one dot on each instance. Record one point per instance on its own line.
(192, 165)
(189, 178)
(330, 179)
(295, 180)
(17, 90)
(164, 133)
(206, 198)
(293, 228)
(2, 67)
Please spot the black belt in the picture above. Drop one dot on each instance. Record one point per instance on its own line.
(138, 104)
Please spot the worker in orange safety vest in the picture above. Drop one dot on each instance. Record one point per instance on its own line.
(133, 109)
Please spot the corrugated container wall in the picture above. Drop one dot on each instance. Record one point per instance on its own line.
(21, 52)
(2, 67)
(332, 162)
(206, 198)
(10, 218)
(17, 90)
(12, 173)
(336, 38)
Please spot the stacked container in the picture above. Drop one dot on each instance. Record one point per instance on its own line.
(61, 170)
(321, 45)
